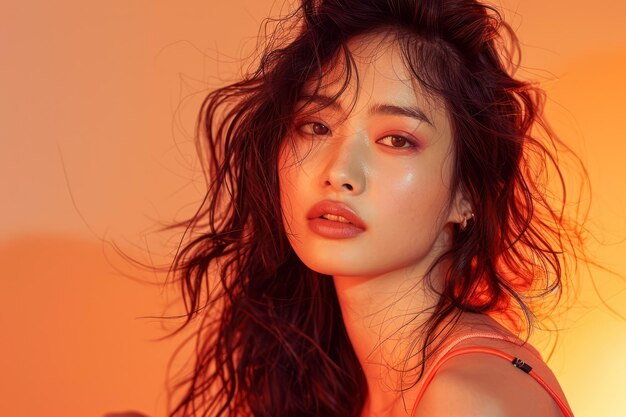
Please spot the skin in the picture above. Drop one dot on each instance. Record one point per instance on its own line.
(400, 189)
(395, 172)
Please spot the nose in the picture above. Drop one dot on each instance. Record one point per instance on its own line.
(345, 166)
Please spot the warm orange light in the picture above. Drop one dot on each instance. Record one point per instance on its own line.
(98, 100)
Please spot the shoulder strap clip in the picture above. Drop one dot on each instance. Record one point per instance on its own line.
(518, 363)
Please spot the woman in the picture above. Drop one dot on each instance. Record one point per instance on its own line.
(376, 235)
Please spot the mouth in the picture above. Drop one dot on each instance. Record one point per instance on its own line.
(335, 218)
(336, 212)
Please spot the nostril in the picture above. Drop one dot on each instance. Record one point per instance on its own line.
(344, 186)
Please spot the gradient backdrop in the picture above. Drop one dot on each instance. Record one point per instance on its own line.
(97, 107)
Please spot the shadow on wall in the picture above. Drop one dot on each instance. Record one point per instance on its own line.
(74, 342)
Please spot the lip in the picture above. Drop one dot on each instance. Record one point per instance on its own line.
(334, 229)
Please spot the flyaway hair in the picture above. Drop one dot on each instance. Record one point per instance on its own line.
(270, 339)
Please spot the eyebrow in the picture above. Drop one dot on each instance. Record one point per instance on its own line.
(393, 110)
(378, 108)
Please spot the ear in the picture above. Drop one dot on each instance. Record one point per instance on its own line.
(461, 209)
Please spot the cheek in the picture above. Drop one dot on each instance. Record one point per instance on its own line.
(416, 194)
(289, 175)
(296, 168)
(412, 179)
(286, 198)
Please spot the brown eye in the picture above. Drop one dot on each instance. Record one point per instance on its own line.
(394, 141)
(314, 129)
(319, 129)
(398, 142)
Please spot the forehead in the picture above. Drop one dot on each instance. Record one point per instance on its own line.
(365, 55)
(374, 70)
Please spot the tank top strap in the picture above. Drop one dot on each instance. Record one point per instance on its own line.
(449, 352)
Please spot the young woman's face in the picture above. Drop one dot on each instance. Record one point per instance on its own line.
(384, 165)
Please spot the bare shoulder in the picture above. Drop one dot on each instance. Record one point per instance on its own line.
(477, 384)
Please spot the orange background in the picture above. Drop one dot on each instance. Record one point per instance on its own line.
(97, 105)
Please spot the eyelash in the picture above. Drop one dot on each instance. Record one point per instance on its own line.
(408, 141)
(312, 124)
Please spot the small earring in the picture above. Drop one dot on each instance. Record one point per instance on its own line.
(465, 219)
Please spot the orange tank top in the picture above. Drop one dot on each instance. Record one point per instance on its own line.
(449, 352)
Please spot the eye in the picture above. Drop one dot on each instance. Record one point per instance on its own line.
(314, 128)
(395, 141)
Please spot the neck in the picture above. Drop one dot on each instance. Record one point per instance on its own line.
(382, 316)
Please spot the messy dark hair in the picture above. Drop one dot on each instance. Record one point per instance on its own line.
(270, 338)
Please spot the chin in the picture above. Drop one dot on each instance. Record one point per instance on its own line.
(331, 267)
(339, 267)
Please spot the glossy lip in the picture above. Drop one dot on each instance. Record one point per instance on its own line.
(338, 209)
